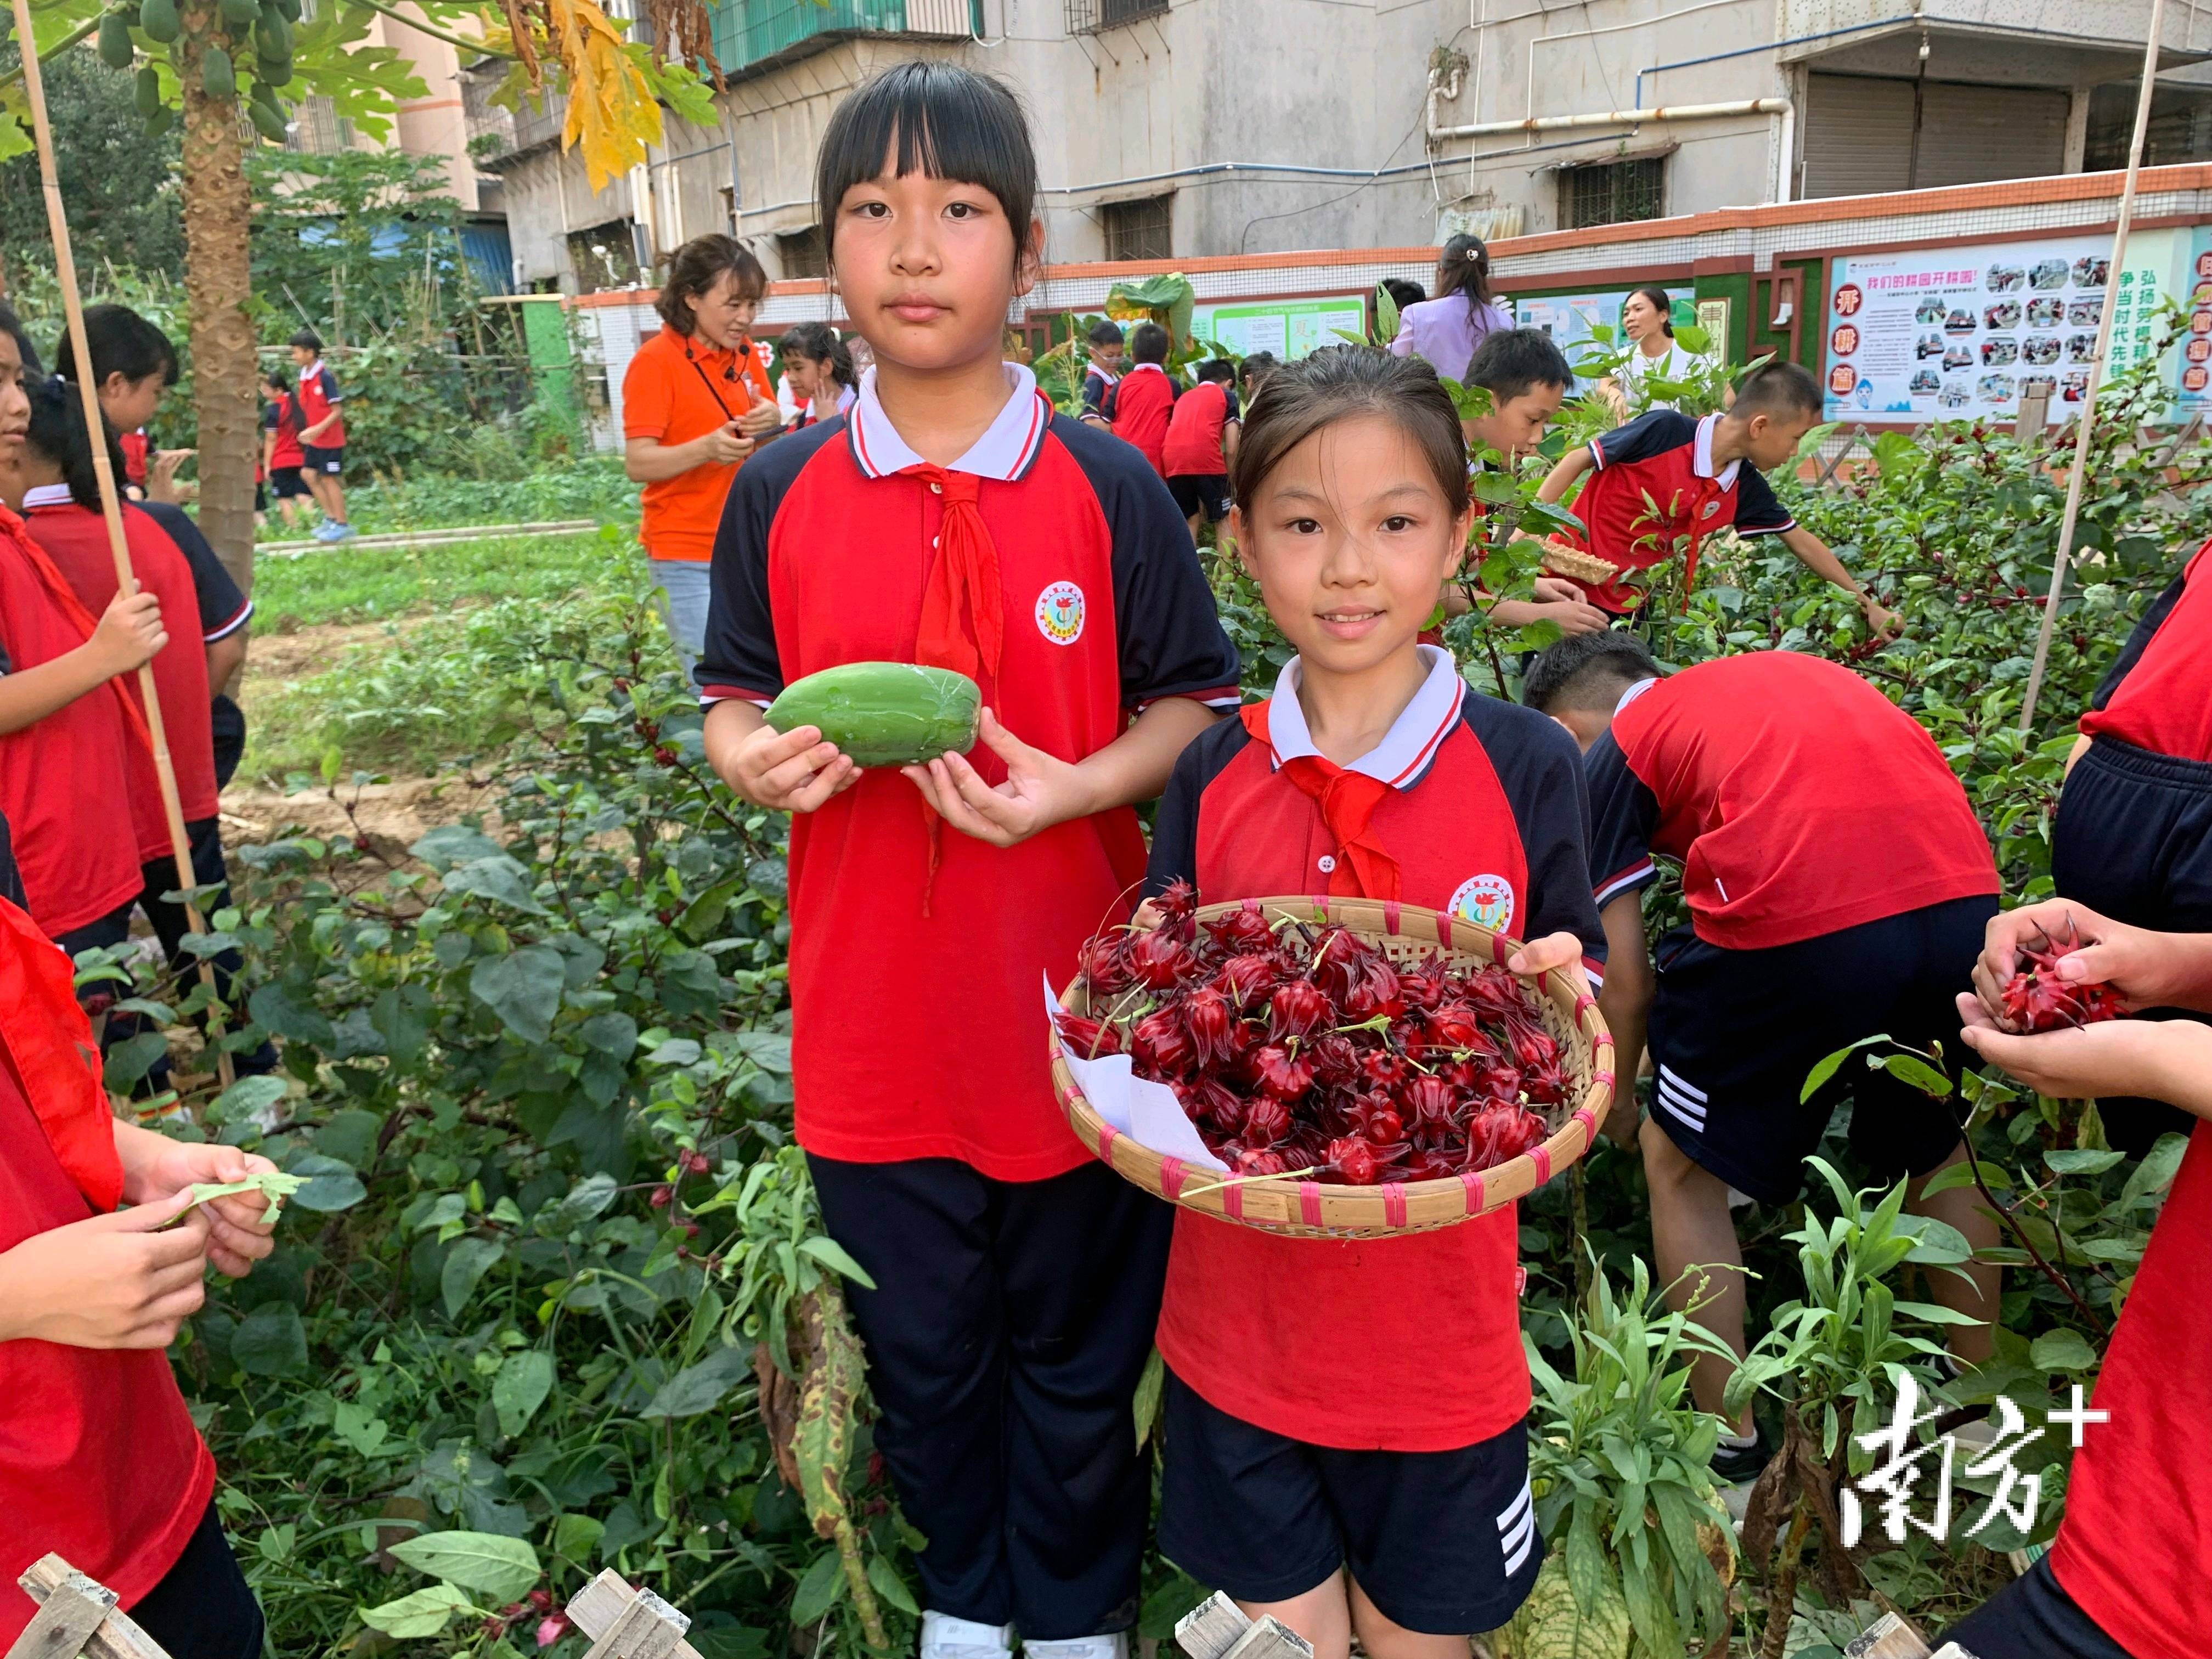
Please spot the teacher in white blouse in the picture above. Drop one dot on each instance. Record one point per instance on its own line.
(1654, 354)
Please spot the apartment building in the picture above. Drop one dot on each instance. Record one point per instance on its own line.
(1190, 128)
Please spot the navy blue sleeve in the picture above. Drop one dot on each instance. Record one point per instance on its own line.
(11, 880)
(740, 659)
(331, 392)
(1095, 387)
(1542, 777)
(1174, 828)
(2139, 638)
(1168, 634)
(223, 609)
(268, 417)
(1624, 817)
(1646, 437)
(1757, 511)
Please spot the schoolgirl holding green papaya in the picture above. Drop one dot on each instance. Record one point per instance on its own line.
(951, 518)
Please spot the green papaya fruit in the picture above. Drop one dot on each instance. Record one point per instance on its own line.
(268, 121)
(277, 74)
(290, 8)
(218, 78)
(147, 94)
(884, 714)
(160, 19)
(160, 121)
(272, 36)
(115, 48)
(242, 14)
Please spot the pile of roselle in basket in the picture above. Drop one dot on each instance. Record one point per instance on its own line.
(1304, 1051)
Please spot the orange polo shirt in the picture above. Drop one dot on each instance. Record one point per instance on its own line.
(677, 390)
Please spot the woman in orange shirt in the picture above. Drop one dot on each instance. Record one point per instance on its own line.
(696, 402)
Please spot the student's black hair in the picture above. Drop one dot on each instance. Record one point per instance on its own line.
(1340, 383)
(1661, 302)
(818, 343)
(1148, 343)
(56, 434)
(1257, 367)
(13, 328)
(1511, 360)
(1104, 333)
(308, 340)
(1216, 368)
(1464, 268)
(1779, 390)
(123, 343)
(277, 377)
(1403, 293)
(696, 267)
(1587, 671)
(933, 118)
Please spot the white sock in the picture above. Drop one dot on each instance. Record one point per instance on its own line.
(1738, 1442)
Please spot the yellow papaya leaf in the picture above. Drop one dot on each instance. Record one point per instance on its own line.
(822, 1439)
(1550, 1625)
(612, 113)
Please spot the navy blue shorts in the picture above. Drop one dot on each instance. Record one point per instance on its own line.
(2033, 1618)
(2132, 840)
(1196, 493)
(329, 462)
(1735, 1033)
(1444, 1542)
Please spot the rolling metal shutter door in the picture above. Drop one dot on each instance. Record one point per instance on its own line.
(1858, 136)
(1969, 134)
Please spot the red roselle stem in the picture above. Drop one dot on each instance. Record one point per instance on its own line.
(2005, 1214)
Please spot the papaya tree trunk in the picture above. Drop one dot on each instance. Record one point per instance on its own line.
(218, 219)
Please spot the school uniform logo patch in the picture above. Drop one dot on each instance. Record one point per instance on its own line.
(1711, 508)
(1485, 901)
(1059, 613)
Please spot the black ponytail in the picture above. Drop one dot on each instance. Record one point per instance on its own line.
(56, 435)
(1464, 268)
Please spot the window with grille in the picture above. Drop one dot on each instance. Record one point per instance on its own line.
(802, 253)
(1143, 229)
(1612, 193)
(317, 129)
(1089, 16)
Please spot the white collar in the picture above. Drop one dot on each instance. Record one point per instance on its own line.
(1701, 455)
(48, 495)
(1139, 368)
(1004, 451)
(1631, 695)
(1407, 748)
(1103, 373)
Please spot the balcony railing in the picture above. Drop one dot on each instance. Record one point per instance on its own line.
(750, 32)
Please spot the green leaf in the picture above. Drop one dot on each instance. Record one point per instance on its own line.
(425, 1613)
(359, 1427)
(1146, 1406)
(271, 1342)
(769, 1050)
(819, 1590)
(524, 1379)
(2068, 1162)
(830, 1254)
(2156, 1172)
(469, 1260)
(575, 1536)
(1830, 1065)
(248, 1097)
(1917, 1073)
(2062, 1351)
(130, 1061)
(329, 1186)
(451, 844)
(272, 1008)
(700, 1388)
(583, 1202)
(1935, 1243)
(499, 878)
(1961, 1173)
(502, 1569)
(523, 989)
(891, 1587)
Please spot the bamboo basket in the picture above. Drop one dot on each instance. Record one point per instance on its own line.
(1305, 1208)
(1561, 559)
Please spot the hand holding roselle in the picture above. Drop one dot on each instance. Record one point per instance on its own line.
(1299, 1050)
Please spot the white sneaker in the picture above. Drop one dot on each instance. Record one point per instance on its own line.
(944, 1636)
(1116, 1646)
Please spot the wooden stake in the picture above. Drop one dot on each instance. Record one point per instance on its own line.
(111, 502)
(2084, 426)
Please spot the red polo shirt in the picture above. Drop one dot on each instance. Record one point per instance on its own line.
(1194, 439)
(283, 418)
(916, 1027)
(76, 539)
(1139, 407)
(319, 395)
(99, 1459)
(62, 780)
(1656, 493)
(2158, 695)
(1487, 819)
(1798, 799)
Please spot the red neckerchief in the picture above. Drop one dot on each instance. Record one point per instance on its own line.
(1364, 869)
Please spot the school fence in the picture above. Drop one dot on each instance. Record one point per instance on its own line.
(1911, 307)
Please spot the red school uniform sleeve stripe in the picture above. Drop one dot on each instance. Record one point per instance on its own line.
(741, 659)
(1757, 513)
(1168, 637)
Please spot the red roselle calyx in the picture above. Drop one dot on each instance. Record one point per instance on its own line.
(2037, 1000)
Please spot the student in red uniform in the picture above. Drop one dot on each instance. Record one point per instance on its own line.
(2132, 838)
(1138, 405)
(54, 483)
(1103, 373)
(952, 519)
(1705, 475)
(2129, 1576)
(1201, 446)
(1838, 884)
(281, 458)
(695, 403)
(322, 435)
(819, 371)
(1311, 1473)
(99, 1459)
(134, 365)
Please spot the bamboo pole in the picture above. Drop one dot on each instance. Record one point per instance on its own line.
(111, 502)
(2081, 432)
